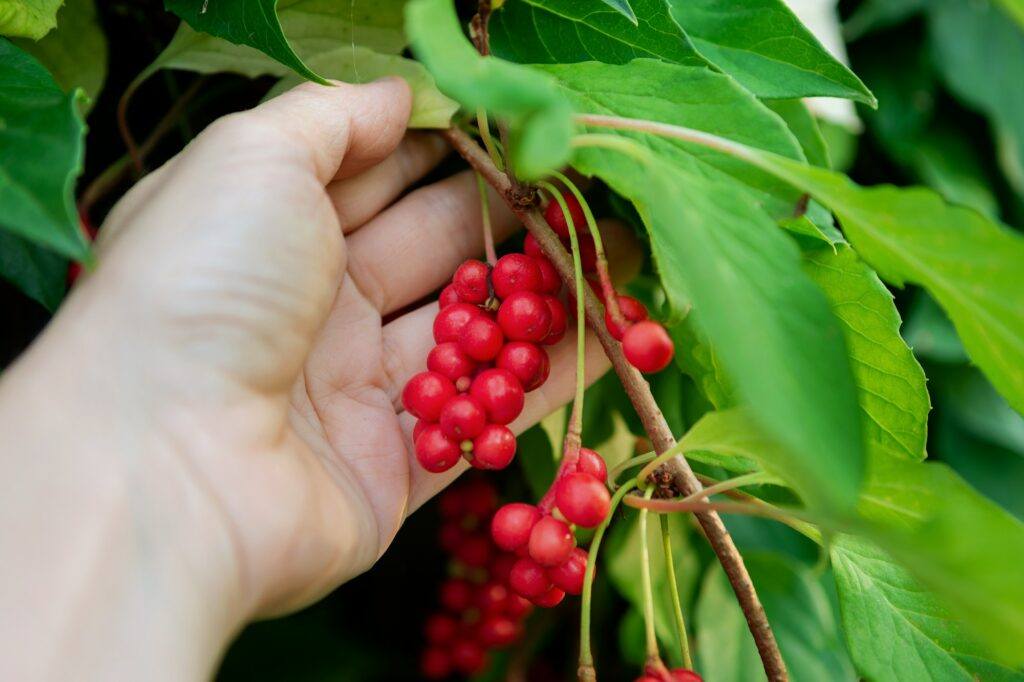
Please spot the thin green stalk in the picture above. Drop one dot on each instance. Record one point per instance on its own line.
(676, 449)
(485, 209)
(645, 583)
(621, 467)
(677, 607)
(586, 655)
(752, 478)
(485, 135)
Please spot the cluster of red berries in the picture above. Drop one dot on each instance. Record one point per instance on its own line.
(549, 563)
(660, 674)
(645, 343)
(490, 332)
(478, 612)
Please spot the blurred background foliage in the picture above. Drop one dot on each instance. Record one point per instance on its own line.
(949, 77)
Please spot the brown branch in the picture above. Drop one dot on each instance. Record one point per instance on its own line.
(639, 392)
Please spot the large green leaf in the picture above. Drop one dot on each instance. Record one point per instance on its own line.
(890, 382)
(897, 630)
(243, 22)
(804, 127)
(764, 46)
(716, 248)
(537, 113)
(802, 619)
(28, 18)
(570, 31)
(38, 272)
(40, 154)
(76, 53)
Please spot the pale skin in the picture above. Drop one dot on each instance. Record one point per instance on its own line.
(210, 430)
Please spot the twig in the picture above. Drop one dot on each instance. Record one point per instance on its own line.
(639, 392)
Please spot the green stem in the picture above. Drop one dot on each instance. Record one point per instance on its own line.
(586, 655)
(794, 518)
(485, 209)
(752, 478)
(676, 449)
(677, 607)
(621, 467)
(485, 135)
(645, 582)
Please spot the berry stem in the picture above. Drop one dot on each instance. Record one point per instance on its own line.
(645, 584)
(586, 655)
(484, 126)
(794, 518)
(485, 212)
(639, 393)
(622, 467)
(611, 298)
(753, 478)
(677, 607)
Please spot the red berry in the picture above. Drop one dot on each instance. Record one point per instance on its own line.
(531, 247)
(568, 575)
(528, 362)
(590, 462)
(684, 675)
(468, 657)
(456, 595)
(551, 541)
(494, 448)
(648, 678)
(648, 346)
(582, 499)
(499, 393)
(550, 599)
(492, 597)
(479, 499)
(525, 316)
(515, 272)
(450, 536)
(550, 282)
(556, 217)
(481, 338)
(448, 360)
(632, 311)
(559, 321)
(497, 631)
(588, 254)
(450, 321)
(435, 664)
(425, 395)
(448, 297)
(474, 551)
(470, 282)
(462, 418)
(511, 525)
(528, 578)
(435, 451)
(441, 628)
(517, 606)
(501, 566)
(418, 429)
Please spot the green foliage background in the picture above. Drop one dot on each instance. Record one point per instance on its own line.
(805, 338)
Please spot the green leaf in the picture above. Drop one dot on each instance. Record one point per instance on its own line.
(969, 264)
(875, 15)
(804, 127)
(40, 155)
(995, 471)
(719, 250)
(890, 382)
(38, 272)
(537, 113)
(802, 619)
(736, 443)
(897, 630)
(28, 18)
(243, 22)
(76, 53)
(571, 31)
(764, 46)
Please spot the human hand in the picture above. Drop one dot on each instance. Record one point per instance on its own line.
(226, 376)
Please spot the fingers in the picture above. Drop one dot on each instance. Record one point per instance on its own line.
(412, 248)
(359, 198)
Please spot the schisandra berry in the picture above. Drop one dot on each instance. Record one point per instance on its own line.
(470, 282)
(418, 429)
(588, 253)
(559, 321)
(528, 578)
(531, 247)
(494, 448)
(450, 321)
(556, 217)
(474, 551)
(456, 595)
(450, 536)
(648, 346)
(501, 566)
(492, 597)
(517, 606)
(684, 675)
(468, 657)
(550, 282)
(632, 311)
(551, 541)
(435, 664)
(441, 628)
(499, 393)
(568, 575)
(497, 631)
(479, 499)
(528, 362)
(435, 451)
(582, 499)
(525, 316)
(426, 394)
(448, 297)
(462, 418)
(512, 523)
(515, 272)
(481, 339)
(550, 599)
(589, 462)
(448, 360)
